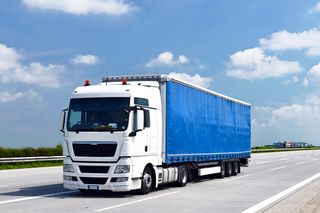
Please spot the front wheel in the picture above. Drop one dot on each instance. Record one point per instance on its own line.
(147, 181)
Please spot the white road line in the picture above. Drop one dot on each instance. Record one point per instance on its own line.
(136, 201)
(1, 186)
(298, 157)
(300, 163)
(263, 162)
(235, 178)
(280, 195)
(315, 159)
(284, 159)
(281, 167)
(34, 197)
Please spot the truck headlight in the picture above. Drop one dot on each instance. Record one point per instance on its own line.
(122, 169)
(68, 168)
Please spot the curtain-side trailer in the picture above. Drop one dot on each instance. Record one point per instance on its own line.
(138, 132)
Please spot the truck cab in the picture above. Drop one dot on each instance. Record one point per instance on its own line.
(112, 131)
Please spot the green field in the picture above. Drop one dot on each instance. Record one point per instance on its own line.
(30, 152)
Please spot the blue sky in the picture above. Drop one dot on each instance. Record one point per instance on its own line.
(264, 52)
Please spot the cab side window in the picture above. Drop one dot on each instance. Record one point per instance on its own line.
(144, 102)
(141, 101)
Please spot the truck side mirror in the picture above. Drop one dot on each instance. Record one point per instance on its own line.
(138, 120)
(62, 120)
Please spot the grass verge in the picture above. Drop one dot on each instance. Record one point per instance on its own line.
(22, 165)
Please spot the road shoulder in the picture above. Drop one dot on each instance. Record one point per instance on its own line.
(306, 199)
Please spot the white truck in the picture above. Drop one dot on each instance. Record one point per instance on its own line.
(138, 132)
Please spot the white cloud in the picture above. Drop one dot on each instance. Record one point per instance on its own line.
(315, 71)
(83, 7)
(167, 59)
(313, 76)
(85, 59)
(8, 58)
(293, 80)
(182, 59)
(316, 8)
(254, 64)
(6, 96)
(298, 121)
(284, 40)
(195, 79)
(12, 70)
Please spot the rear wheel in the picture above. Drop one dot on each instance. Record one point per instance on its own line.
(183, 176)
(228, 169)
(234, 168)
(238, 167)
(222, 173)
(147, 181)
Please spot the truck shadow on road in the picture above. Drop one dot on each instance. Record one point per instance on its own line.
(57, 191)
(34, 191)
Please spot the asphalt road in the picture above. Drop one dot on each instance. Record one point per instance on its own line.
(271, 177)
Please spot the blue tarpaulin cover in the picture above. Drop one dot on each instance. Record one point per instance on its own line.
(202, 127)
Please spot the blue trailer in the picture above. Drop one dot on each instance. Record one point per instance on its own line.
(202, 125)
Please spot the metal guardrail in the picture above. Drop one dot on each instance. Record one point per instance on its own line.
(30, 159)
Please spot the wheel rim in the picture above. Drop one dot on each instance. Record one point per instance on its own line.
(147, 179)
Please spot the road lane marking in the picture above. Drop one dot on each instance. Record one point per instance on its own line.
(315, 159)
(263, 162)
(281, 167)
(1, 186)
(34, 197)
(280, 195)
(284, 159)
(300, 163)
(136, 201)
(235, 178)
(298, 157)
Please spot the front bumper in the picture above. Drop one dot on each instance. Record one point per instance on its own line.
(100, 181)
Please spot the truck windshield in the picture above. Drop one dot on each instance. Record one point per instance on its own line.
(98, 114)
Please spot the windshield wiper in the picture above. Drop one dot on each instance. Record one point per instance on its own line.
(103, 128)
(126, 110)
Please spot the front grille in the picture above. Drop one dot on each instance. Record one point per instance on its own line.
(94, 149)
(91, 180)
(94, 169)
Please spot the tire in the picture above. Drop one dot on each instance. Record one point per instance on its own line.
(147, 181)
(228, 169)
(183, 176)
(238, 167)
(222, 173)
(234, 168)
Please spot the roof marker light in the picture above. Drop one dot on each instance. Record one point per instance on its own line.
(87, 83)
